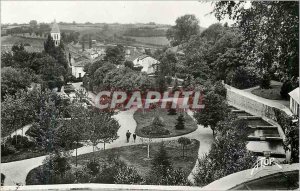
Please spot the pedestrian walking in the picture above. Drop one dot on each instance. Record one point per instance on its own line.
(128, 136)
(134, 136)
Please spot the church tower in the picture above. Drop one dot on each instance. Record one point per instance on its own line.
(55, 33)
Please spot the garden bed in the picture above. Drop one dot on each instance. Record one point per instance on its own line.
(145, 119)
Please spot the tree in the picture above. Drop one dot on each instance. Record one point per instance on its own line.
(101, 72)
(103, 128)
(90, 42)
(33, 23)
(215, 110)
(49, 46)
(76, 127)
(46, 130)
(129, 64)
(160, 165)
(180, 122)
(184, 142)
(267, 28)
(243, 77)
(57, 53)
(291, 142)
(16, 112)
(51, 72)
(288, 86)
(13, 79)
(185, 27)
(115, 54)
(230, 146)
(220, 89)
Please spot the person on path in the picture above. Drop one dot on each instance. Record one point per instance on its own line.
(128, 136)
(134, 136)
(2, 179)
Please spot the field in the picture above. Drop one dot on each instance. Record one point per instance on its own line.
(11, 40)
(161, 40)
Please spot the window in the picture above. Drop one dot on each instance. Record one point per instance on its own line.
(79, 75)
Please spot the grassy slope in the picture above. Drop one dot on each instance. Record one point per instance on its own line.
(273, 93)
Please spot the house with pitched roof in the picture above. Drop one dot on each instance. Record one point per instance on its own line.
(147, 63)
(77, 67)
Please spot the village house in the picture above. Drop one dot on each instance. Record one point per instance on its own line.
(77, 68)
(142, 60)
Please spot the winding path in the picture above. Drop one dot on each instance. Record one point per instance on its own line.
(16, 172)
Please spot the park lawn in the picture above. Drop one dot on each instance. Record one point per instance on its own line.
(136, 156)
(145, 119)
(273, 93)
(22, 155)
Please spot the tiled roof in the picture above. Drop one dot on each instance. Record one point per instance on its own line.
(134, 56)
(81, 63)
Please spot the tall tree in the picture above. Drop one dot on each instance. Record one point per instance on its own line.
(102, 128)
(115, 54)
(13, 79)
(271, 32)
(215, 110)
(185, 27)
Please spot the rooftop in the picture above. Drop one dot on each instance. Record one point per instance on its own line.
(55, 28)
(295, 95)
(81, 63)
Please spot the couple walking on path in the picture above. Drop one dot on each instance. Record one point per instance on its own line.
(128, 136)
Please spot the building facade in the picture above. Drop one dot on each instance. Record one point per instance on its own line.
(294, 101)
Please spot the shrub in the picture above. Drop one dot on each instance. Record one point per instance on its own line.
(7, 149)
(116, 171)
(162, 172)
(21, 142)
(265, 81)
(93, 167)
(286, 88)
(157, 121)
(180, 122)
(127, 175)
(169, 80)
(220, 89)
(155, 130)
(243, 77)
(172, 111)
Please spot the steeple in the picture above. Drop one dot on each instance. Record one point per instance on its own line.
(55, 33)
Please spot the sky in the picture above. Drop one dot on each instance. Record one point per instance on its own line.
(162, 12)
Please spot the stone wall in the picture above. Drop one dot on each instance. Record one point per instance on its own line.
(253, 104)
